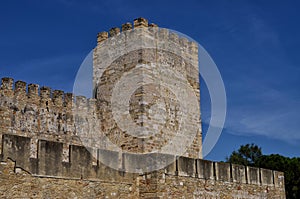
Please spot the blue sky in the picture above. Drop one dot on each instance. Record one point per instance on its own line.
(255, 45)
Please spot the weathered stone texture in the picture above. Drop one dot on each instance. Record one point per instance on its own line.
(183, 177)
(148, 53)
(54, 145)
(16, 182)
(184, 187)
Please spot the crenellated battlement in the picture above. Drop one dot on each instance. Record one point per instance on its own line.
(19, 90)
(42, 113)
(183, 177)
(62, 140)
(20, 93)
(143, 34)
(137, 23)
(49, 154)
(82, 164)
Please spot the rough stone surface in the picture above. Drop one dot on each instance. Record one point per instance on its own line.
(15, 182)
(148, 54)
(55, 145)
(49, 176)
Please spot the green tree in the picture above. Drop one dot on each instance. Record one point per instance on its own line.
(246, 155)
(251, 155)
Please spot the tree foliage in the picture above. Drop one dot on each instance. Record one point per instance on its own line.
(246, 155)
(251, 155)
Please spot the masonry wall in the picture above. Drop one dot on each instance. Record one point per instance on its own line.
(18, 183)
(51, 145)
(157, 63)
(41, 113)
(49, 176)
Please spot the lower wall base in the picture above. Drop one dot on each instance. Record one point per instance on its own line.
(187, 187)
(17, 183)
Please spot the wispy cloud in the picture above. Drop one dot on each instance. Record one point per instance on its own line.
(266, 112)
(261, 98)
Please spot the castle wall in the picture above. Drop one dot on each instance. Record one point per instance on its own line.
(55, 145)
(190, 178)
(49, 160)
(49, 176)
(169, 186)
(18, 183)
(42, 113)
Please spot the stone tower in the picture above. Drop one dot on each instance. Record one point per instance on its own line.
(139, 137)
(146, 82)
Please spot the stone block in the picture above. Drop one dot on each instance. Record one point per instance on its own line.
(253, 176)
(278, 179)
(140, 22)
(81, 162)
(238, 173)
(266, 177)
(49, 158)
(7, 83)
(222, 171)
(186, 166)
(205, 169)
(126, 26)
(102, 36)
(109, 158)
(143, 163)
(171, 168)
(18, 149)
